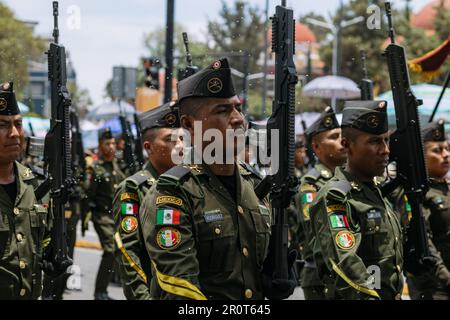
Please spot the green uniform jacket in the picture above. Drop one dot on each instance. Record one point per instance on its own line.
(310, 184)
(356, 232)
(437, 218)
(135, 266)
(23, 228)
(204, 244)
(102, 180)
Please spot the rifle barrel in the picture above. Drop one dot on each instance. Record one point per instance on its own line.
(55, 19)
(389, 18)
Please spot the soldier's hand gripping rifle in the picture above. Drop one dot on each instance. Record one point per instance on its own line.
(278, 279)
(407, 151)
(57, 156)
(190, 69)
(366, 85)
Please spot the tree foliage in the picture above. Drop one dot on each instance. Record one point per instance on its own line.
(18, 46)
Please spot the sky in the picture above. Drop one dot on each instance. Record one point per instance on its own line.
(101, 34)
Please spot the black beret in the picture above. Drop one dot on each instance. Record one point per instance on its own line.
(434, 131)
(8, 102)
(326, 121)
(105, 134)
(165, 116)
(367, 116)
(214, 81)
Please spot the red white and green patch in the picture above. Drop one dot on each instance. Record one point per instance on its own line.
(167, 216)
(129, 224)
(345, 240)
(129, 209)
(168, 238)
(308, 197)
(338, 221)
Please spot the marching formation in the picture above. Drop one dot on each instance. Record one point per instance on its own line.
(183, 213)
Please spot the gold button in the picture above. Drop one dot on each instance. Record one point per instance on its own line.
(22, 264)
(248, 294)
(377, 228)
(398, 296)
(114, 173)
(240, 210)
(245, 252)
(115, 186)
(19, 237)
(22, 292)
(16, 211)
(217, 231)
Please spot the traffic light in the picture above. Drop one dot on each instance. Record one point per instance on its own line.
(152, 66)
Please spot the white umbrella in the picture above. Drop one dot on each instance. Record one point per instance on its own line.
(332, 87)
(110, 110)
(23, 107)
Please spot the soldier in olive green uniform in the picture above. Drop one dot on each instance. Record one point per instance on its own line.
(434, 284)
(358, 240)
(23, 220)
(324, 137)
(103, 177)
(205, 229)
(135, 267)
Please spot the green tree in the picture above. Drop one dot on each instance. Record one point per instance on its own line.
(18, 46)
(240, 28)
(442, 22)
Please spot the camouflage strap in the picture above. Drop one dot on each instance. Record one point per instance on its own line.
(178, 286)
(128, 257)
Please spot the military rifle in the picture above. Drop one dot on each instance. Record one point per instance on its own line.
(407, 152)
(139, 153)
(284, 183)
(57, 156)
(128, 154)
(190, 69)
(366, 84)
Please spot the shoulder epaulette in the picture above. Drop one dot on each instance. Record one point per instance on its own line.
(176, 173)
(313, 174)
(139, 178)
(250, 169)
(339, 189)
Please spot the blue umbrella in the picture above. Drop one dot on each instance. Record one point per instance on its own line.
(110, 110)
(23, 107)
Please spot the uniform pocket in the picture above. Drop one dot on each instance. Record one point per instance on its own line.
(216, 242)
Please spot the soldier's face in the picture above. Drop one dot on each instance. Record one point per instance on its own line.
(107, 148)
(222, 114)
(162, 147)
(437, 158)
(328, 147)
(368, 154)
(12, 138)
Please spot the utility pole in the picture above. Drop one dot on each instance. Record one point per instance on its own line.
(169, 50)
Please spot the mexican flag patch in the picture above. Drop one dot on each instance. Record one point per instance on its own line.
(167, 216)
(129, 209)
(308, 197)
(338, 221)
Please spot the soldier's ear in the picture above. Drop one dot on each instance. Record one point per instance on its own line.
(147, 147)
(187, 122)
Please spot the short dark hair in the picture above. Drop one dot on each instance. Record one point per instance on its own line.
(149, 134)
(351, 134)
(190, 106)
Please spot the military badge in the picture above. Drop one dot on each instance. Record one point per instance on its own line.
(168, 238)
(128, 209)
(129, 196)
(345, 240)
(373, 214)
(328, 122)
(215, 85)
(171, 119)
(216, 65)
(3, 104)
(373, 121)
(169, 200)
(167, 216)
(129, 224)
(336, 208)
(308, 197)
